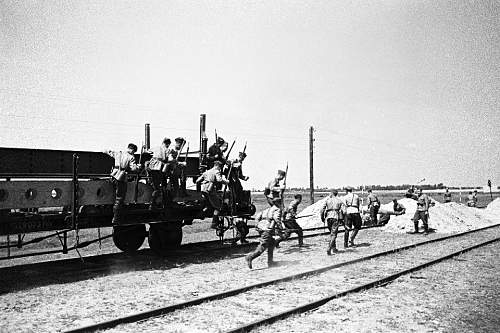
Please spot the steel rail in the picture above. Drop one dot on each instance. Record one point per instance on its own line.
(170, 308)
(373, 284)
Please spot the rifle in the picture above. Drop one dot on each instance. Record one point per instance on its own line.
(180, 151)
(229, 151)
(284, 188)
(216, 137)
(245, 148)
(136, 189)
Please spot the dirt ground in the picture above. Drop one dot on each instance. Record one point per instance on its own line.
(59, 306)
(458, 295)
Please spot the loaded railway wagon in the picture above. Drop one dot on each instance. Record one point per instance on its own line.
(54, 190)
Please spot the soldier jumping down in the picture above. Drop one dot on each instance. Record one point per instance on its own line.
(268, 220)
(124, 163)
(210, 181)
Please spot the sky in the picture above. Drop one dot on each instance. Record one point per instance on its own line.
(396, 91)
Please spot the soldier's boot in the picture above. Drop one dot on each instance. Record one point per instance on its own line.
(415, 225)
(215, 222)
(426, 229)
(301, 238)
(346, 239)
(353, 235)
(183, 191)
(117, 213)
(270, 256)
(251, 256)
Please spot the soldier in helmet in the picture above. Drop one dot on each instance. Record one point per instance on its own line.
(124, 163)
(216, 152)
(331, 211)
(210, 180)
(268, 220)
(275, 187)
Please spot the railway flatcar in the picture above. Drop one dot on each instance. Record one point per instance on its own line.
(54, 190)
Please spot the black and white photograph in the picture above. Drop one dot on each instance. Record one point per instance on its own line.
(249, 166)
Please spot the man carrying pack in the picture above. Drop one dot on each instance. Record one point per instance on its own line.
(275, 187)
(373, 206)
(422, 212)
(210, 181)
(353, 218)
(290, 220)
(331, 211)
(124, 163)
(267, 221)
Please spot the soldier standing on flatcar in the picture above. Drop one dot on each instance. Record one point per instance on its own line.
(268, 220)
(275, 188)
(331, 211)
(124, 163)
(210, 180)
(236, 167)
(290, 220)
(178, 178)
(216, 152)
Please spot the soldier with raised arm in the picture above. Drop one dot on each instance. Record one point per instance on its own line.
(267, 221)
(124, 163)
(422, 212)
(275, 187)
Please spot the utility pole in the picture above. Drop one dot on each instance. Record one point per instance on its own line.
(311, 163)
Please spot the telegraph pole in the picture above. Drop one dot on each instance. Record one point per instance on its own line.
(311, 163)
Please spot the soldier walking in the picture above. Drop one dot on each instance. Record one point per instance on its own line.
(373, 206)
(268, 220)
(124, 163)
(331, 211)
(422, 212)
(210, 181)
(290, 220)
(353, 218)
(275, 187)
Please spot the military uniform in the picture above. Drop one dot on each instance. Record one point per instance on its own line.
(373, 206)
(158, 166)
(235, 177)
(470, 200)
(215, 153)
(422, 212)
(273, 190)
(352, 219)
(268, 221)
(124, 163)
(178, 178)
(331, 211)
(210, 181)
(290, 222)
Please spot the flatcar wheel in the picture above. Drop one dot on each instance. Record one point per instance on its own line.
(129, 238)
(164, 237)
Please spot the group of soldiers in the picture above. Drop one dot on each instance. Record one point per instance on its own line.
(167, 172)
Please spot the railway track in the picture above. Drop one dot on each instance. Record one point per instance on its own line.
(310, 289)
(73, 269)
